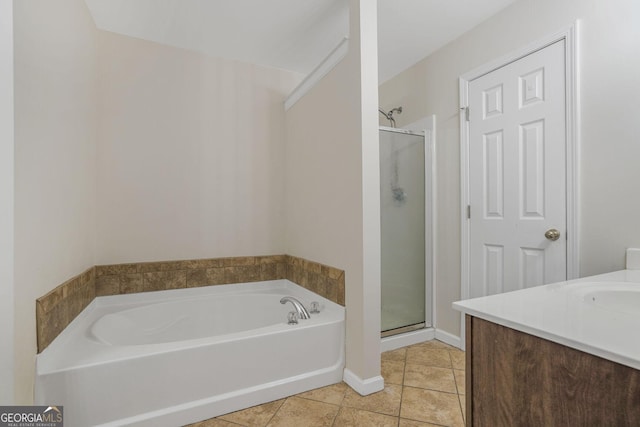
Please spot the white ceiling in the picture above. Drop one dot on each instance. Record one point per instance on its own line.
(410, 30)
(292, 34)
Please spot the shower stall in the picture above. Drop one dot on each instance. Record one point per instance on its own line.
(405, 198)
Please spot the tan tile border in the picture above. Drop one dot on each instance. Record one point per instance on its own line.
(56, 309)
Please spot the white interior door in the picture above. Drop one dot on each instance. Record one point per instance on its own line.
(517, 174)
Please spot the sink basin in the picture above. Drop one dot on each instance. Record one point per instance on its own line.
(618, 298)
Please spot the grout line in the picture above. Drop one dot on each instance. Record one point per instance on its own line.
(454, 375)
(422, 421)
(277, 410)
(455, 380)
(335, 417)
(344, 393)
(217, 418)
(404, 374)
(339, 405)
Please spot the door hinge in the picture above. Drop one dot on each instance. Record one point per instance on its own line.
(468, 211)
(466, 113)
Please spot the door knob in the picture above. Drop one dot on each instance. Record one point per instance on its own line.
(552, 234)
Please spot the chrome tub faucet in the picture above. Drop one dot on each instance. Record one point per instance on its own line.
(302, 312)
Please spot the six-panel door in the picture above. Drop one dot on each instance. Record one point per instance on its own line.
(517, 174)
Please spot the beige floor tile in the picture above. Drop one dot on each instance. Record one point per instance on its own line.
(463, 405)
(256, 416)
(460, 380)
(457, 359)
(430, 377)
(431, 406)
(392, 371)
(429, 356)
(397, 355)
(296, 412)
(352, 417)
(331, 394)
(385, 402)
(414, 423)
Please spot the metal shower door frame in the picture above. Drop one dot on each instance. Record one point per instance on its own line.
(429, 238)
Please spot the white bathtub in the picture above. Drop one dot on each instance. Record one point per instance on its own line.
(176, 357)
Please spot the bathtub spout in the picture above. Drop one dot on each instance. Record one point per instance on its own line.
(302, 312)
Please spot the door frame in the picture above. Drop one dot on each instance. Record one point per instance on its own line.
(572, 118)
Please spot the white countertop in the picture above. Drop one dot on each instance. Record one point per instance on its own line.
(575, 313)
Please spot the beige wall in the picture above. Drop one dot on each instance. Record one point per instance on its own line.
(192, 163)
(131, 151)
(191, 154)
(609, 65)
(55, 147)
(6, 203)
(331, 149)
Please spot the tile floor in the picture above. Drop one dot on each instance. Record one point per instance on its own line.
(424, 386)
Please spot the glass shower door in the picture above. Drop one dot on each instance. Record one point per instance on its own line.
(402, 199)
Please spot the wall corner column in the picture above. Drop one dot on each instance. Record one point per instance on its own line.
(7, 333)
(363, 368)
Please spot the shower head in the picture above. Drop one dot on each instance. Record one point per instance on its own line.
(389, 115)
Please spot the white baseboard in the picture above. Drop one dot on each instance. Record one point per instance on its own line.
(448, 338)
(416, 337)
(363, 387)
(406, 339)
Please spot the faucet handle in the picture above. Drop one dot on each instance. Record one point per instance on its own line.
(314, 308)
(292, 318)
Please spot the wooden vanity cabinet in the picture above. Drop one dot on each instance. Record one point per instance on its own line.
(516, 379)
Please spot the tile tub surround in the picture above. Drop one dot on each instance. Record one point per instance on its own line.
(56, 309)
(158, 276)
